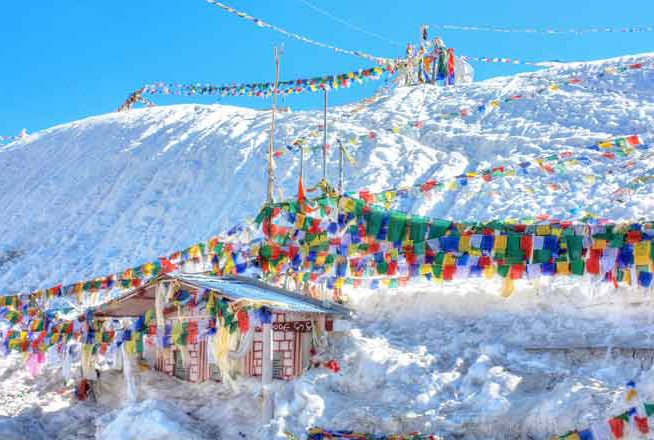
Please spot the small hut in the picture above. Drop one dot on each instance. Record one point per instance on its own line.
(287, 342)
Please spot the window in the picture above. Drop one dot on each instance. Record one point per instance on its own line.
(278, 365)
(179, 371)
(214, 373)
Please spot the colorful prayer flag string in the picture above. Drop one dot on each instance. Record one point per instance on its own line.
(262, 23)
(315, 84)
(547, 31)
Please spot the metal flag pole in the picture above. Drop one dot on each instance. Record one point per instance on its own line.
(271, 176)
(324, 138)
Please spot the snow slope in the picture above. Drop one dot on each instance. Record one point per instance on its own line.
(98, 195)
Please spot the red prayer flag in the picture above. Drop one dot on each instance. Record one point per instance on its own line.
(641, 424)
(617, 427)
(633, 237)
(516, 271)
(448, 272)
(243, 321)
(633, 140)
(593, 265)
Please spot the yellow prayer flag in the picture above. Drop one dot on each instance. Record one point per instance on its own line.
(449, 259)
(641, 253)
(627, 277)
(339, 282)
(599, 244)
(553, 87)
(507, 287)
(500, 243)
(543, 230)
(130, 347)
(425, 269)
(464, 243)
(299, 221)
(347, 204)
(495, 103)
(562, 268)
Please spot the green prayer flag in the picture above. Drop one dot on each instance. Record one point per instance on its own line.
(264, 213)
(396, 226)
(515, 259)
(418, 229)
(373, 222)
(513, 245)
(577, 266)
(437, 228)
(266, 252)
(541, 255)
(617, 241)
(575, 246)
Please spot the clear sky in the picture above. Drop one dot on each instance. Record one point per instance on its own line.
(69, 59)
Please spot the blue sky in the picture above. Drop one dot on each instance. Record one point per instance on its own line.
(67, 60)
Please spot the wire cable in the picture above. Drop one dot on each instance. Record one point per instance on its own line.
(350, 25)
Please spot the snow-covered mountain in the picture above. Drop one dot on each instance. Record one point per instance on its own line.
(109, 192)
(100, 195)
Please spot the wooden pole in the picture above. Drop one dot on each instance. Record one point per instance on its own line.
(324, 138)
(302, 162)
(267, 409)
(340, 167)
(271, 176)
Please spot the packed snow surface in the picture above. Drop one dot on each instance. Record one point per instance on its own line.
(106, 193)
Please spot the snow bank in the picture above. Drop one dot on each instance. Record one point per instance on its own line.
(150, 420)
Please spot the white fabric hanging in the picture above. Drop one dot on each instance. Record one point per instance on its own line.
(244, 345)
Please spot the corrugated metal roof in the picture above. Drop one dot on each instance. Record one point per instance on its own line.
(248, 288)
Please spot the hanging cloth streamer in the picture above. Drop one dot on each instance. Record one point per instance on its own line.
(244, 345)
(221, 344)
